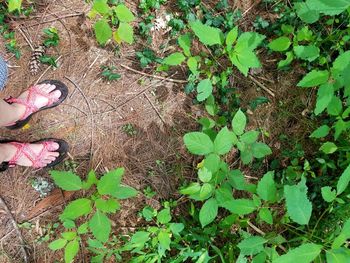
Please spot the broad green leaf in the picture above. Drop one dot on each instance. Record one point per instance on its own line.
(124, 14)
(328, 194)
(206, 191)
(244, 60)
(100, 226)
(14, 5)
(305, 13)
(164, 239)
(107, 206)
(185, 43)
(66, 180)
(287, 61)
(260, 150)
(224, 141)
(126, 33)
(101, 7)
(57, 244)
(328, 147)
(164, 216)
(240, 206)
(267, 188)
(335, 106)
(69, 235)
(305, 253)
(212, 162)
(237, 181)
(125, 192)
(340, 255)
(320, 132)
(193, 188)
(324, 96)
(140, 237)
(328, 7)
(208, 212)
(207, 35)
(231, 37)
(299, 207)
(204, 175)
(204, 89)
(246, 156)
(71, 251)
(252, 245)
(91, 180)
(341, 71)
(174, 59)
(192, 64)
(239, 122)
(314, 78)
(109, 183)
(309, 53)
(250, 137)
(248, 41)
(265, 215)
(103, 31)
(176, 228)
(198, 143)
(343, 181)
(280, 44)
(76, 208)
(223, 194)
(83, 229)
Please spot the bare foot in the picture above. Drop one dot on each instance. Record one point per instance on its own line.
(8, 151)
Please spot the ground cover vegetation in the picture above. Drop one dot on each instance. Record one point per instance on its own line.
(298, 211)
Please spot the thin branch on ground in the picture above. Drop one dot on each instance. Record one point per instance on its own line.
(154, 107)
(26, 38)
(262, 86)
(15, 226)
(53, 20)
(153, 76)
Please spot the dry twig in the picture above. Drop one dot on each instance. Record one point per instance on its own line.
(262, 86)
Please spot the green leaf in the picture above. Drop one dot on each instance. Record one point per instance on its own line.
(126, 33)
(298, 205)
(212, 162)
(280, 44)
(69, 235)
(185, 44)
(164, 216)
(314, 78)
(239, 122)
(100, 226)
(83, 229)
(249, 41)
(204, 175)
(103, 31)
(71, 251)
(198, 143)
(267, 188)
(124, 14)
(305, 253)
(176, 228)
(309, 53)
(224, 141)
(107, 206)
(305, 13)
(335, 106)
(287, 61)
(324, 96)
(206, 191)
(208, 212)
(125, 192)
(328, 7)
(249, 137)
(343, 181)
(91, 180)
(192, 64)
(174, 59)
(101, 7)
(328, 194)
(76, 208)
(260, 150)
(204, 89)
(57, 244)
(244, 60)
(207, 35)
(240, 206)
(14, 5)
(252, 245)
(109, 183)
(193, 188)
(231, 37)
(265, 215)
(328, 147)
(320, 132)
(340, 255)
(66, 180)
(164, 239)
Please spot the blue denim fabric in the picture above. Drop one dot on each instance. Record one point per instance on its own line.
(3, 73)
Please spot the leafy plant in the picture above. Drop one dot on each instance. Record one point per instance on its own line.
(108, 72)
(51, 37)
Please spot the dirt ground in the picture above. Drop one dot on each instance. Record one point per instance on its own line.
(92, 121)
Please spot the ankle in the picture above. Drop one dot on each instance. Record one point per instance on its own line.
(6, 152)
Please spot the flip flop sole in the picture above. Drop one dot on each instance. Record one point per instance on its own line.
(64, 93)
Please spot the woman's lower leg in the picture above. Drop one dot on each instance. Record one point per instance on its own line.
(8, 113)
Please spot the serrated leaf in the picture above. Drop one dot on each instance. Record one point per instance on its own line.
(164, 216)
(314, 78)
(164, 240)
(91, 180)
(305, 13)
(343, 181)
(224, 141)
(14, 5)
(309, 53)
(76, 208)
(103, 31)
(109, 183)
(124, 14)
(250, 137)
(267, 188)
(240, 206)
(125, 192)
(207, 35)
(324, 96)
(101, 7)
(260, 150)
(280, 44)
(126, 32)
(57, 244)
(185, 43)
(231, 37)
(66, 180)
(212, 162)
(193, 188)
(204, 175)
(204, 89)
(328, 194)
(107, 206)
(252, 245)
(208, 212)
(100, 226)
(305, 253)
(340, 255)
(198, 143)
(299, 207)
(265, 215)
(320, 132)
(239, 122)
(71, 251)
(174, 59)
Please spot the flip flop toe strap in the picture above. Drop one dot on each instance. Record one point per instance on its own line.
(23, 149)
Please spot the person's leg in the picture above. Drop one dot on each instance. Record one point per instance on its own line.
(9, 113)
